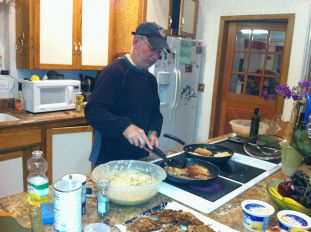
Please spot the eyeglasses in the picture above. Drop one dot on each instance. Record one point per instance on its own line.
(155, 50)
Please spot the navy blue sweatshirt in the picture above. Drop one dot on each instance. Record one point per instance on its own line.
(123, 95)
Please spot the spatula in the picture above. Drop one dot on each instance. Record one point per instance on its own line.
(177, 163)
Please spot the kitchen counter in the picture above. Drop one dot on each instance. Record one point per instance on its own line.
(229, 214)
(27, 118)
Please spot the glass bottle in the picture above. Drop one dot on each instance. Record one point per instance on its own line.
(255, 123)
(37, 181)
(103, 201)
(300, 139)
(79, 101)
(36, 219)
(19, 99)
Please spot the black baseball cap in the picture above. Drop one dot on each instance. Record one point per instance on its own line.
(154, 33)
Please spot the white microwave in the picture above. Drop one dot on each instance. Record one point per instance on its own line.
(49, 95)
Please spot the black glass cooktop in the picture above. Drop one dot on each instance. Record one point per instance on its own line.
(231, 172)
(211, 191)
(232, 176)
(238, 147)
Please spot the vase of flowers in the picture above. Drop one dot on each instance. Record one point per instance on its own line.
(296, 144)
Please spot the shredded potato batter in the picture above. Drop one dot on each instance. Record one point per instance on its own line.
(130, 178)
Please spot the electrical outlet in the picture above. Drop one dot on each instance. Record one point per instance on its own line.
(201, 87)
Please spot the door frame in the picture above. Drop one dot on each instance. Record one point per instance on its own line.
(220, 59)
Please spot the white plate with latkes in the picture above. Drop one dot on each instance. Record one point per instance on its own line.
(216, 226)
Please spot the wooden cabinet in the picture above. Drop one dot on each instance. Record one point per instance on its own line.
(177, 17)
(15, 149)
(66, 139)
(11, 172)
(64, 34)
(68, 150)
(127, 16)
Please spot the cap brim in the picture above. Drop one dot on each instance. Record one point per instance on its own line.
(158, 43)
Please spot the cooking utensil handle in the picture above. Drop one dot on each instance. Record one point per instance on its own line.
(159, 153)
(174, 138)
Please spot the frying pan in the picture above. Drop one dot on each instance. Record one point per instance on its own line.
(190, 148)
(213, 171)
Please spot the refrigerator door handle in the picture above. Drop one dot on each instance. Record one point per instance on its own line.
(177, 88)
(175, 94)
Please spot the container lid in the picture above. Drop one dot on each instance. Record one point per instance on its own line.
(294, 219)
(97, 227)
(37, 154)
(67, 185)
(257, 208)
(76, 176)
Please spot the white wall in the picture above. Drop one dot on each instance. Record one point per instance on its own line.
(4, 35)
(210, 12)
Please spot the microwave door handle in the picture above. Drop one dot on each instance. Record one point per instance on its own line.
(70, 95)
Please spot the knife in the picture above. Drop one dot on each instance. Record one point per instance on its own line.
(148, 211)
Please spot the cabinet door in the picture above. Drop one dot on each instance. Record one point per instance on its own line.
(177, 17)
(127, 15)
(188, 19)
(11, 174)
(68, 150)
(94, 33)
(64, 34)
(158, 11)
(56, 34)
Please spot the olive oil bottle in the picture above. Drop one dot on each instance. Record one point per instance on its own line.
(255, 123)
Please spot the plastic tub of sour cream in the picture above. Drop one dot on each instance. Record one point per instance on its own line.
(256, 215)
(289, 219)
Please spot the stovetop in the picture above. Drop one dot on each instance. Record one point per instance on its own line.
(236, 176)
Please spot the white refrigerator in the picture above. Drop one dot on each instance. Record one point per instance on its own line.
(177, 74)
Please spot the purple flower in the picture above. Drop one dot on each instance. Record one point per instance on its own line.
(297, 97)
(265, 95)
(297, 93)
(304, 84)
(283, 90)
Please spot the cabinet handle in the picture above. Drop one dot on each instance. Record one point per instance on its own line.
(20, 41)
(170, 20)
(75, 49)
(182, 20)
(79, 49)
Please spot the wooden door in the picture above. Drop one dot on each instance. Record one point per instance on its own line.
(254, 64)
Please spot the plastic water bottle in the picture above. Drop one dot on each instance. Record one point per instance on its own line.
(103, 201)
(37, 181)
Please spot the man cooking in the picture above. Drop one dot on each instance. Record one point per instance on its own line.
(124, 108)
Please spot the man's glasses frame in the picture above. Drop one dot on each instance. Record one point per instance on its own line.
(155, 50)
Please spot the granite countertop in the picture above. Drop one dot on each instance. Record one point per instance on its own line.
(26, 118)
(229, 214)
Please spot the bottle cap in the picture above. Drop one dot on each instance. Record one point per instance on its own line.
(103, 185)
(256, 111)
(37, 154)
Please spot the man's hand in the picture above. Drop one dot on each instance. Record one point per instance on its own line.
(153, 138)
(136, 136)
